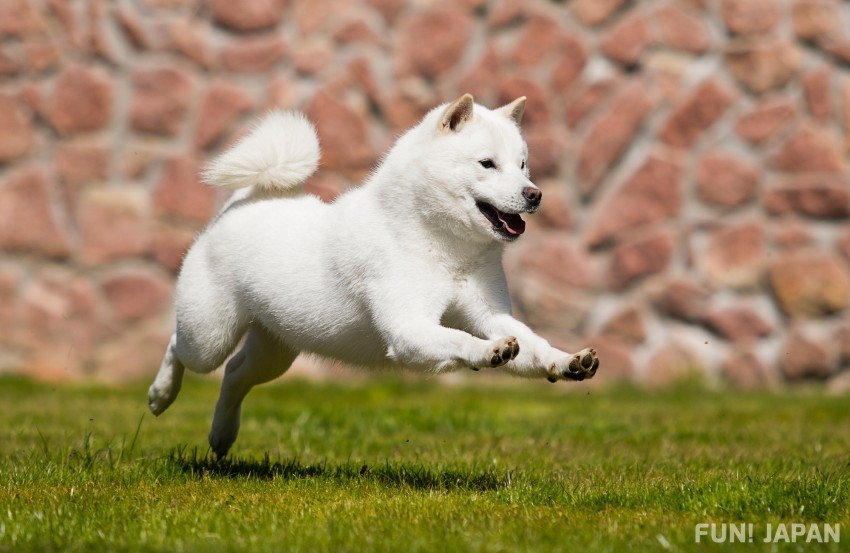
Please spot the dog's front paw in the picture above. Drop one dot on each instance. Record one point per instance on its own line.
(503, 350)
(577, 366)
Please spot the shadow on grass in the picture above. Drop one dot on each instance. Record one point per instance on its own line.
(404, 475)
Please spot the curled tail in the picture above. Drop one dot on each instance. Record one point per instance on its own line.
(278, 155)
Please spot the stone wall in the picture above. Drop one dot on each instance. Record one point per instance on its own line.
(692, 154)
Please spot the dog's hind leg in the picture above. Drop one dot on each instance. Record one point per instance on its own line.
(262, 359)
(209, 325)
(166, 385)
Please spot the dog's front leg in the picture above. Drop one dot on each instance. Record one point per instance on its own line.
(537, 357)
(427, 344)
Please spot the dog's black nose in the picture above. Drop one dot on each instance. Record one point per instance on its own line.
(532, 194)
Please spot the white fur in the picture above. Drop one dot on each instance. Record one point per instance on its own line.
(402, 271)
(279, 154)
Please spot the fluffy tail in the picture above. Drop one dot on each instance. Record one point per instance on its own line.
(279, 154)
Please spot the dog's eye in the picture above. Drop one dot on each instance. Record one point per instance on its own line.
(523, 165)
(487, 164)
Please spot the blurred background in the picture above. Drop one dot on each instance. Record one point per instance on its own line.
(692, 153)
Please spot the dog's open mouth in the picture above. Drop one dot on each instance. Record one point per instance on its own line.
(506, 225)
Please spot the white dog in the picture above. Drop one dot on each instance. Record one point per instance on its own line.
(402, 271)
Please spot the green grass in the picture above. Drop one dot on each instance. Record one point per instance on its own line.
(395, 465)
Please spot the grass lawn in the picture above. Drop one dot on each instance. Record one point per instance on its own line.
(395, 465)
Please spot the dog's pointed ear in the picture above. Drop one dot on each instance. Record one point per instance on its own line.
(458, 113)
(514, 110)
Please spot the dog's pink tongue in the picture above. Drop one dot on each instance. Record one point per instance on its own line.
(513, 222)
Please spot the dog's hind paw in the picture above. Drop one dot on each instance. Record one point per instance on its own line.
(503, 350)
(578, 366)
(161, 397)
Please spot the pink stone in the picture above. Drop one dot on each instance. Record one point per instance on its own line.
(588, 98)
(750, 16)
(356, 30)
(804, 358)
(547, 148)
(537, 110)
(171, 242)
(736, 255)
(191, 39)
(610, 135)
(482, 78)
(809, 150)
(698, 112)
(844, 114)
(41, 55)
(136, 293)
(683, 298)
(82, 100)
(281, 93)
(737, 324)
(147, 340)
(555, 211)
(434, 40)
(810, 283)
(10, 282)
(311, 56)
(114, 222)
(570, 64)
(595, 12)
(254, 54)
(161, 97)
(766, 120)
(627, 39)
(652, 193)
(20, 18)
(746, 372)
(504, 12)
(247, 15)
(816, 19)
(17, 138)
(617, 356)
(762, 65)
(10, 62)
(79, 162)
(820, 196)
(389, 9)
(29, 217)
(558, 260)
(634, 260)
(180, 192)
(540, 37)
(222, 105)
(133, 27)
(342, 133)
(816, 89)
(311, 16)
(627, 324)
(842, 339)
(61, 321)
(842, 243)
(725, 180)
(671, 365)
(682, 31)
(792, 235)
(549, 307)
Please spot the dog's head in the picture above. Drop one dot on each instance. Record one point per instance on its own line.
(476, 167)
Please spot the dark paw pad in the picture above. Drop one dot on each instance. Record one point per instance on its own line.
(582, 365)
(505, 350)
